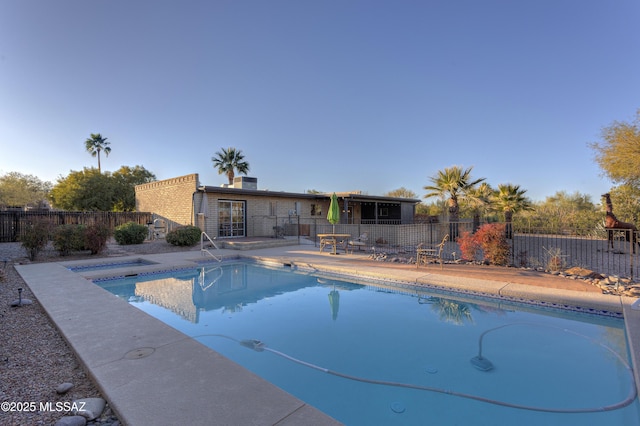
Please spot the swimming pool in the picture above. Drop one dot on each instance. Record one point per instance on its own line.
(383, 355)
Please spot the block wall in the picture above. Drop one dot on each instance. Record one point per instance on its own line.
(170, 199)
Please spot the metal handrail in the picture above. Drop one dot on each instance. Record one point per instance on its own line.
(204, 250)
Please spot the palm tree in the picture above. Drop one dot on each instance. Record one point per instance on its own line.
(509, 199)
(455, 184)
(95, 144)
(479, 199)
(228, 160)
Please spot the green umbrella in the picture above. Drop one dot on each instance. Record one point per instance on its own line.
(333, 215)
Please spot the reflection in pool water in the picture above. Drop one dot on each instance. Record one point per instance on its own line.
(383, 355)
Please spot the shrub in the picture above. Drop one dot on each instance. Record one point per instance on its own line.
(554, 259)
(130, 233)
(184, 236)
(96, 236)
(35, 237)
(495, 248)
(469, 246)
(68, 238)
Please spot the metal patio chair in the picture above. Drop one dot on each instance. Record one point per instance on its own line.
(424, 253)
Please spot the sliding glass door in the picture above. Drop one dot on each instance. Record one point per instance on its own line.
(231, 218)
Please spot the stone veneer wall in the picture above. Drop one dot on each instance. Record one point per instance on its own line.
(169, 199)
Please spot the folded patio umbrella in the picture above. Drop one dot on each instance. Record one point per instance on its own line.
(333, 216)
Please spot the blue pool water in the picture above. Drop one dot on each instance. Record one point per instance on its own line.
(379, 355)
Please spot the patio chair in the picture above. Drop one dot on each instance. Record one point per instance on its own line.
(423, 253)
(359, 242)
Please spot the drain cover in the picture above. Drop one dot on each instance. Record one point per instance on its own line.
(139, 353)
(397, 407)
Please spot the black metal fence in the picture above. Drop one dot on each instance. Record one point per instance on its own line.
(529, 247)
(13, 224)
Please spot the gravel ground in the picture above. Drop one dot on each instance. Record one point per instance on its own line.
(34, 358)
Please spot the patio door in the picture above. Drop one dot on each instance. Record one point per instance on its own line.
(231, 218)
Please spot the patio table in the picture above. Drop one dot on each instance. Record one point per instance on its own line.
(332, 240)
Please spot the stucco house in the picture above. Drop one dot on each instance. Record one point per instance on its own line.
(243, 210)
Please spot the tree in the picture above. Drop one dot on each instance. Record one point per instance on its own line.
(228, 161)
(618, 155)
(509, 199)
(478, 199)
(452, 183)
(562, 213)
(20, 190)
(95, 144)
(90, 190)
(401, 192)
(124, 180)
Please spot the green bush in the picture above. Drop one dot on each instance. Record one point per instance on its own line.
(68, 238)
(96, 236)
(130, 233)
(184, 236)
(35, 237)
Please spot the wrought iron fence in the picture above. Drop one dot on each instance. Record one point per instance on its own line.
(529, 247)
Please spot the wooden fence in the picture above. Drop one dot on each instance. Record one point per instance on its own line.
(14, 223)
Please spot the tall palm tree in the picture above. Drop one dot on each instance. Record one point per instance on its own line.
(509, 199)
(228, 160)
(452, 183)
(95, 144)
(478, 199)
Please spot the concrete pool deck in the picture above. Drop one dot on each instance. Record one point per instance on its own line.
(152, 374)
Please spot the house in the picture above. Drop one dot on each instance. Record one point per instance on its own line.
(243, 210)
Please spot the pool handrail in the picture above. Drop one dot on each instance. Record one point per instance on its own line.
(204, 250)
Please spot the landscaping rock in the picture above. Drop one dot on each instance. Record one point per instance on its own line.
(92, 407)
(72, 421)
(21, 302)
(64, 387)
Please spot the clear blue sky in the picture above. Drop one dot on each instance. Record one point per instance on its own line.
(331, 95)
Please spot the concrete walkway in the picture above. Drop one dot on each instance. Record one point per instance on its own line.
(153, 374)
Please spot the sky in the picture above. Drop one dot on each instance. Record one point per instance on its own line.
(331, 95)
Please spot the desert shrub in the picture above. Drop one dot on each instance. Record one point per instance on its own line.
(469, 246)
(184, 236)
(96, 236)
(35, 238)
(130, 233)
(554, 259)
(495, 248)
(68, 238)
